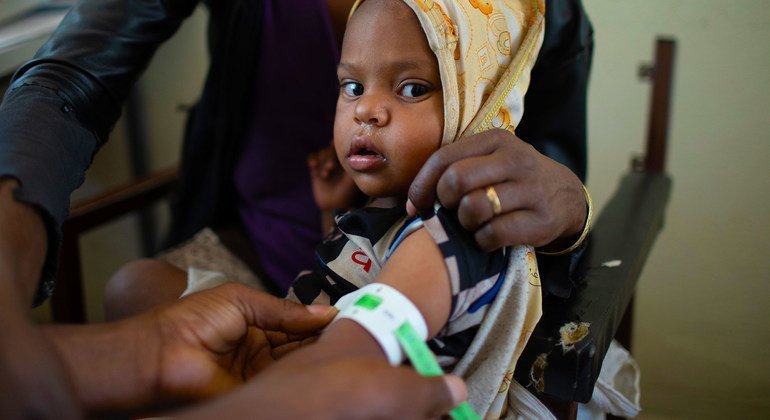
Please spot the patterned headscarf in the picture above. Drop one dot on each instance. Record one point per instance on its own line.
(485, 51)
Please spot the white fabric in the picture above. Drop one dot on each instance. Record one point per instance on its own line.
(198, 279)
(523, 405)
(205, 252)
(617, 389)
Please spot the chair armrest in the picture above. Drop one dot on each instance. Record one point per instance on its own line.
(624, 233)
(67, 300)
(116, 202)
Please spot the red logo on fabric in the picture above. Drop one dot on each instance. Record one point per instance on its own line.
(366, 262)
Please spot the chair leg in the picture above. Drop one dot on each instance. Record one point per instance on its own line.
(660, 105)
(561, 409)
(625, 329)
(67, 304)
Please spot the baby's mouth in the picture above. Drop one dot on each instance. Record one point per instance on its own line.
(364, 155)
(363, 146)
(364, 152)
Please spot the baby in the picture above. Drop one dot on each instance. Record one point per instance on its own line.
(415, 75)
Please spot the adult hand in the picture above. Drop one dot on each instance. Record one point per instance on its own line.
(344, 364)
(218, 338)
(357, 388)
(542, 201)
(203, 345)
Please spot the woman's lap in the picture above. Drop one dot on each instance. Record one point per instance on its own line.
(206, 253)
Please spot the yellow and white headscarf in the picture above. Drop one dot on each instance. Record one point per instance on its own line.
(486, 50)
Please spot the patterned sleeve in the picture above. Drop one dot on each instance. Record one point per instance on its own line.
(476, 277)
(346, 262)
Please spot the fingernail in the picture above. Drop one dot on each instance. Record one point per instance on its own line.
(317, 309)
(411, 210)
(457, 388)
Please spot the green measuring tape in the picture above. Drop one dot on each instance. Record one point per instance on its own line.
(385, 313)
(426, 364)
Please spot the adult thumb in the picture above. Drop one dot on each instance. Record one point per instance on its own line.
(271, 313)
(446, 392)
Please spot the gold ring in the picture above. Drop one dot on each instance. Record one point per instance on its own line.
(494, 200)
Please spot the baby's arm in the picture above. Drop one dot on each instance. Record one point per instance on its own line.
(417, 269)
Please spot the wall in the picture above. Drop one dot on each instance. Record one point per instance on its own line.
(703, 303)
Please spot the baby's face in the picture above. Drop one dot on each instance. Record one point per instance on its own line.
(390, 109)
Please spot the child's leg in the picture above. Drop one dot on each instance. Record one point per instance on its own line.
(141, 285)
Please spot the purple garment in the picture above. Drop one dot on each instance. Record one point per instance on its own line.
(293, 116)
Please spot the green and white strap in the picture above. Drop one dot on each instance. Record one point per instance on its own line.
(381, 309)
(398, 326)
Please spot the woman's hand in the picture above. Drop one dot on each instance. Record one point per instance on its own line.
(541, 201)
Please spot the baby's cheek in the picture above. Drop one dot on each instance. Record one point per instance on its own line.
(341, 140)
(340, 148)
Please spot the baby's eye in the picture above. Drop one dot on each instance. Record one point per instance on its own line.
(414, 90)
(353, 89)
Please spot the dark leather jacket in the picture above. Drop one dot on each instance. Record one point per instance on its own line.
(63, 103)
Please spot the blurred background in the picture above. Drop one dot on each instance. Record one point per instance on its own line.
(702, 314)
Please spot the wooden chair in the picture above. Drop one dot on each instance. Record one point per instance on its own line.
(603, 297)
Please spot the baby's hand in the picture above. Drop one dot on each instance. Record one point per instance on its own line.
(332, 187)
